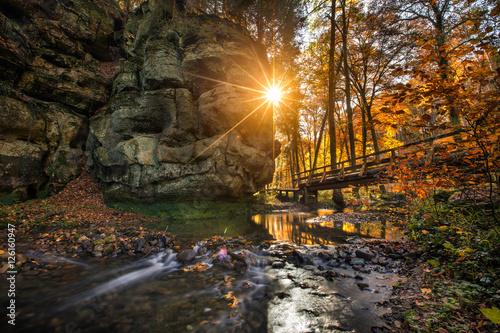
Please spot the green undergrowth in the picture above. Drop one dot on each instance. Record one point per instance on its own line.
(462, 249)
(48, 216)
(460, 242)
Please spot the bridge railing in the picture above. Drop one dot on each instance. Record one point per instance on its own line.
(363, 164)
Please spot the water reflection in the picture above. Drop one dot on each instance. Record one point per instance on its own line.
(296, 228)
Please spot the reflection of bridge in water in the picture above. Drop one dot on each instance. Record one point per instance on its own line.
(293, 227)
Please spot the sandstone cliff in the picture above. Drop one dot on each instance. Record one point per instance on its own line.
(51, 53)
(162, 128)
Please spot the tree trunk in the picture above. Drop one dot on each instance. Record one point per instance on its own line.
(332, 82)
(350, 122)
(338, 198)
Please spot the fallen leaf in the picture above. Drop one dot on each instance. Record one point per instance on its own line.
(492, 314)
(426, 290)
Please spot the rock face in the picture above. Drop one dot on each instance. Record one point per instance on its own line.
(171, 129)
(50, 55)
(144, 103)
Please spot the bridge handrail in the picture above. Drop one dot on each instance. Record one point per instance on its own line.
(296, 178)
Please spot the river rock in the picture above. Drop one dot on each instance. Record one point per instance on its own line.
(365, 254)
(27, 266)
(186, 255)
(357, 261)
(278, 264)
(21, 258)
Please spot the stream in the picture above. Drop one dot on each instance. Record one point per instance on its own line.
(302, 281)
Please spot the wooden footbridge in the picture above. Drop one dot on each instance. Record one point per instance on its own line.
(365, 170)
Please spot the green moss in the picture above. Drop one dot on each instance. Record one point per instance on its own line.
(9, 199)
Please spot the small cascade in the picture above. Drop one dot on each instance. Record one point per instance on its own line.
(161, 263)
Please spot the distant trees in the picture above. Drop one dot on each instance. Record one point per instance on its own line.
(388, 73)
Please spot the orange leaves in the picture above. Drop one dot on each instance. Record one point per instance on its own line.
(199, 267)
(233, 301)
(426, 290)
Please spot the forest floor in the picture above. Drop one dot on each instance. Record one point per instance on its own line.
(76, 221)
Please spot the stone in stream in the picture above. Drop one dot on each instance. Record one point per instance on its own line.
(362, 286)
(357, 261)
(365, 254)
(140, 244)
(202, 250)
(278, 264)
(21, 258)
(331, 275)
(186, 255)
(27, 266)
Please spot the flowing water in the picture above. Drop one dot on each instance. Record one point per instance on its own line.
(155, 294)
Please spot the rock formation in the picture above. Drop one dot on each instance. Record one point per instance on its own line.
(163, 128)
(50, 55)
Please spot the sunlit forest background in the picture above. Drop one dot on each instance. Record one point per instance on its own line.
(360, 77)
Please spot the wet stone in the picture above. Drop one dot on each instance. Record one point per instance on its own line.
(21, 258)
(278, 264)
(357, 261)
(282, 295)
(186, 255)
(227, 263)
(362, 269)
(28, 266)
(331, 275)
(362, 286)
(140, 244)
(202, 251)
(365, 254)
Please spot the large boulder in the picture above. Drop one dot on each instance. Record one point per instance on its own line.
(51, 56)
(184, 120)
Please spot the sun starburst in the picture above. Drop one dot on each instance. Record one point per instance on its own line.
(274, 95)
